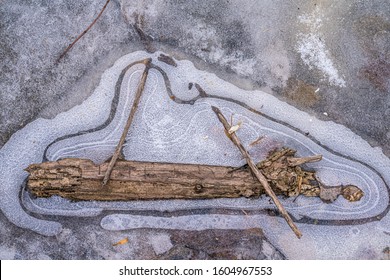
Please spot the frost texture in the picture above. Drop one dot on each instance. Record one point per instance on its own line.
(313, 50)
(193, 222)
(183, 129)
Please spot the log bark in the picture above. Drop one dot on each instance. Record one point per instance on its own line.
(80, 179)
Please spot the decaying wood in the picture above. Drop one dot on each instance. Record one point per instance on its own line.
(262, 179)
(137, 99)
(79, 179)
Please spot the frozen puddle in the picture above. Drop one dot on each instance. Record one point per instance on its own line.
(175, 123)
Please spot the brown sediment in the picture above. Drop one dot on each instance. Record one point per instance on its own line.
(301, 93)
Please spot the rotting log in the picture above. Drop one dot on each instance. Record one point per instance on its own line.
(80, 179)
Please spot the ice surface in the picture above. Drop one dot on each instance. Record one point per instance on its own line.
(313, 50)
(193, 222)
(175, 124)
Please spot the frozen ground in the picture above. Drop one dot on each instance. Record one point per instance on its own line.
(328, 58)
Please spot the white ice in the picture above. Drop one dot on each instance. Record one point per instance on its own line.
(167, 131)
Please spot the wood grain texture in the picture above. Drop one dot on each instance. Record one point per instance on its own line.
(80, 179)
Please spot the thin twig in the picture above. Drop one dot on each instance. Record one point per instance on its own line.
(257, 141)
(129, 121)
(256, 172)
(299, 161)
(84, 32)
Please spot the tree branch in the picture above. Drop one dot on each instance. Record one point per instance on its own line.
(129, 121)
(256, 172)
